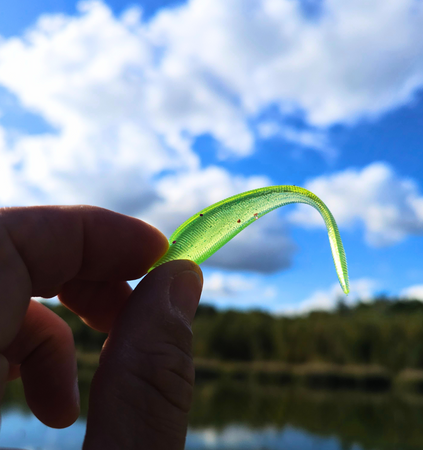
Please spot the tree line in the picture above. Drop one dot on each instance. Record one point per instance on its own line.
(387, 332)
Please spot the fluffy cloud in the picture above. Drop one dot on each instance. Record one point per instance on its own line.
(85, 81)
(238, 290)
(354, 59)
(95, 76)
(313, 139)
(413, 292)
(219, 285)
(389, 207)
(325, 300)
(211, 66)
(129, 96)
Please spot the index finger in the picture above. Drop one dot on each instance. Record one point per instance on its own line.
(43, 247)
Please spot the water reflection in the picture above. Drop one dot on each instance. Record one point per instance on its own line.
(244, 415)
(269, 438)
(22, 430)
(371, 421)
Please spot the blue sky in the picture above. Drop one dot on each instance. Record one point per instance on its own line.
(159, 108)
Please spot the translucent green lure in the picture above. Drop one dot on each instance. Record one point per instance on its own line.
(207, 231)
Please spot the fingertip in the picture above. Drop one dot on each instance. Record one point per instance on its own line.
(45, 350)
(56, 405)
(185, 292)
(119, 247)
(162, 243)
(173, 268)
(51, 389)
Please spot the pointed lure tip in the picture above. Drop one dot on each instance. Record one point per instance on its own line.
(345, 288)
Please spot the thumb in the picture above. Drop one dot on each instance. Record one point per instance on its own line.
(141, 393)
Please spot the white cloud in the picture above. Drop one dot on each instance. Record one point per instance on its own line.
(218, 285)
(238, 290)
(83, 76)
(93, 74)
(361, 289)
(314, 139)
(357, 59)
(389, 207)
(413, 292)
(209, 66)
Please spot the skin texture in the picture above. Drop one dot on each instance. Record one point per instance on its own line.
(207, 231)
(141, 393)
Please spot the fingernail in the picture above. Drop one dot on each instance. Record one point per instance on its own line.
(185, 292)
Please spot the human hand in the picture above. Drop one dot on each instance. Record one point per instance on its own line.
(141, 393)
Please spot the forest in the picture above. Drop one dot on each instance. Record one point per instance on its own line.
(386, 332)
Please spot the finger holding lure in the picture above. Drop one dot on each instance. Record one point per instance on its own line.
(210, 229)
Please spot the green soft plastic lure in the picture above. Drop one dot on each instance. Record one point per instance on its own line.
(210, 229)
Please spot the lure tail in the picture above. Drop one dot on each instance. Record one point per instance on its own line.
(207, 231)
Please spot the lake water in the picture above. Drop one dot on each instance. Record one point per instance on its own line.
(20, 430)
(245, 416)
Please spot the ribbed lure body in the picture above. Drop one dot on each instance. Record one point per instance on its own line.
(207, 231)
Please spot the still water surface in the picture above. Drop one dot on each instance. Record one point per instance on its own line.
(26, 432)
(245, 416)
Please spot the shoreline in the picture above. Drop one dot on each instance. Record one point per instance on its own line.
(316, 376)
